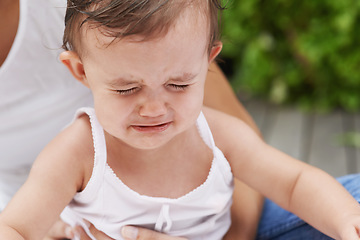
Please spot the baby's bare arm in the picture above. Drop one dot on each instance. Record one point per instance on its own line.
(56, 176)
(307, 191)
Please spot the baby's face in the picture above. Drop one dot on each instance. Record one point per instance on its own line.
(148, 92)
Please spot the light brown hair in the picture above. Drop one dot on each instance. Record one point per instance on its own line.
(122, 18)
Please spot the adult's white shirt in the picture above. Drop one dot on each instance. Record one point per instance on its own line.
(38, 95)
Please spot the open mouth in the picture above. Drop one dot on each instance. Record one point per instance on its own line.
(152, 128)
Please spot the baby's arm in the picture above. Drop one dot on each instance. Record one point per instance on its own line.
(308, 192)
(57, 174)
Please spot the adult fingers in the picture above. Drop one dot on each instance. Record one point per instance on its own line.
(81, 234)
(60, 230)
(97, 234)
(137, 233)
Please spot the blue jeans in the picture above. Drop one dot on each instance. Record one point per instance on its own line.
(279, 224)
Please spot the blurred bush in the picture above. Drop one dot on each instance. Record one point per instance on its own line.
(303, 52)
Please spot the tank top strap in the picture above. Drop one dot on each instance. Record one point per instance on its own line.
(205, 132)
(100, 154)
(219, 159)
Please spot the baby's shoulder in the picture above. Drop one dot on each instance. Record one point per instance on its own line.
(73, 142)
(77, 137)
(222, 124)
(70, 152)
(230, 133)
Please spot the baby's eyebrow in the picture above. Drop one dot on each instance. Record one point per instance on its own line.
(122, 81)
(184, 77)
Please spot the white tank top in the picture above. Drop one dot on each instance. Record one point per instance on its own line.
(38, 95)
(109, 204)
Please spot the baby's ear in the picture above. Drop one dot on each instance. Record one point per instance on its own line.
(215, 50)
(73, 62)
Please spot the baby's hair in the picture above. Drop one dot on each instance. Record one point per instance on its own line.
(123, 18)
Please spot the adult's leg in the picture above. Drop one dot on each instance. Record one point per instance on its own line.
(279, 224)
(247, 204)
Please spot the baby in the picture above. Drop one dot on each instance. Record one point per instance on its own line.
(149, 154)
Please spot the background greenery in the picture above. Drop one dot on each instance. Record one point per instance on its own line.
(303, 52)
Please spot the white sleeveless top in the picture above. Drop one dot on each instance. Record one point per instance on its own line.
(38, 95)
(109, 204)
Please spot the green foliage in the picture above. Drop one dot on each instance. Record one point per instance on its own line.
(305, 52)
(349, 139)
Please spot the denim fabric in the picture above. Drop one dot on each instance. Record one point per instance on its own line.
(279, 224)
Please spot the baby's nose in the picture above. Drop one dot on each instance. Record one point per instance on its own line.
(153, 108)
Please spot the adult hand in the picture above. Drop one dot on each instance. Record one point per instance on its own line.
(61, 230)
(137, 233)
(134, 233)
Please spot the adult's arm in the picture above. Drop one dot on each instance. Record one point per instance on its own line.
(220, 96)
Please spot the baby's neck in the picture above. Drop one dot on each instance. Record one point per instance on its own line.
(171, 171)
(174, 146)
